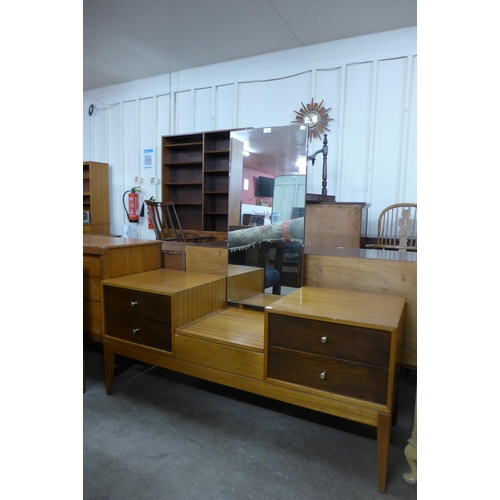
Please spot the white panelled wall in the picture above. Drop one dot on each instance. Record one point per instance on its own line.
(369, 82)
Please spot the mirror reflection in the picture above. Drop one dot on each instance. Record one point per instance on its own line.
(267, 208)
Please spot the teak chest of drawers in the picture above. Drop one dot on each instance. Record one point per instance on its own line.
(143, 310)
(332, 351)
(107, 257)
(332, 357)
(342, 346)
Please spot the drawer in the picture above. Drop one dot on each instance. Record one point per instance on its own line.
(139, 304)
(355, 380)
(139, 330)
(221, 357)
(350, 343)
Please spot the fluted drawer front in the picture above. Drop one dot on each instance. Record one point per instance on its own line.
(139, 330)
(355, 380)
(351, 343)
(140, 304)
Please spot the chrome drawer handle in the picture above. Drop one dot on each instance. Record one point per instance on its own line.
(324, 339)
(133, 304)
(322, 375)
(135, 331)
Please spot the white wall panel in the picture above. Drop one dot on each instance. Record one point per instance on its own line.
(163, 118)
(409, 188)
(327, 85)
(130, 143)
(100, 131)
(147, 141)
(225, 117)
(116, 178)
(162, 128)
(388, 139)
(88, 132)
(203, 109)
(356, 133)
(183, 112)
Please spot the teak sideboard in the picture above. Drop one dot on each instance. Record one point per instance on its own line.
(332, 351)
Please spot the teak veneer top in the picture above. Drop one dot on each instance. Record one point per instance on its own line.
(374, 310)
(98, 243)
(361, 253)
(163, 281)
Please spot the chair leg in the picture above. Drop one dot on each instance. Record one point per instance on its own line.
(411, 457)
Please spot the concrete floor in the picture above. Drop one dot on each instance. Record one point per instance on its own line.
(166, 436)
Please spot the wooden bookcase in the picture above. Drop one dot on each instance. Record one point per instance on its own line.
(195, 176)
(96, 197)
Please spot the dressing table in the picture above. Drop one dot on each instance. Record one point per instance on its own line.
(332, 351)
(329, 350)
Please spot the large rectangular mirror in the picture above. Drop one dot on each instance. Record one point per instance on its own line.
(267, 172)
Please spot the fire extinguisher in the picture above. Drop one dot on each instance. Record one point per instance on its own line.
(133, 204)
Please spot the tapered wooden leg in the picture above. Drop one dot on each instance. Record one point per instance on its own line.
(383, 440)
(109, 368)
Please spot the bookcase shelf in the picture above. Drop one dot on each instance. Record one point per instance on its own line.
(195, 176)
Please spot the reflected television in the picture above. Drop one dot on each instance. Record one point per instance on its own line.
(265, 187)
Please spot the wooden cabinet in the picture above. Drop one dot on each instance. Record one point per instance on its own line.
(106, 257)
(195, 176)
(344, 346)
(95, 198)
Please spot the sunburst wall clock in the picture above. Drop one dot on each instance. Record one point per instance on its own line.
(316, 116)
